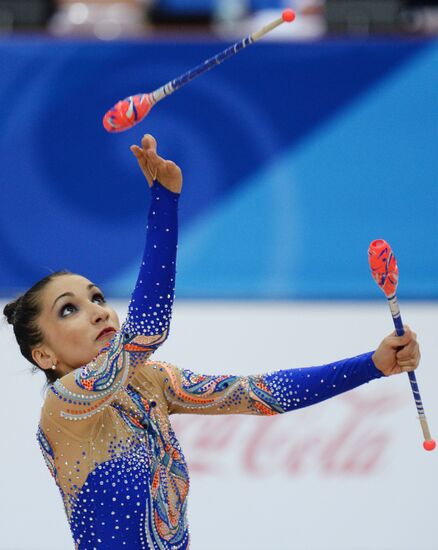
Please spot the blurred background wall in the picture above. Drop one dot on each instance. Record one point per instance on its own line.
(296, 154)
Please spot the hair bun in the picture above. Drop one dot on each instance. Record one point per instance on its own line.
(9, 311)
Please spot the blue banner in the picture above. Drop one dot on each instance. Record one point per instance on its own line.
(295, 156)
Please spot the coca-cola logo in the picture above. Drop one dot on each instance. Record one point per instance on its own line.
(348, 436)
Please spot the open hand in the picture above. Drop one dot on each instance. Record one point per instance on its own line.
(398, 353)
(155, 167)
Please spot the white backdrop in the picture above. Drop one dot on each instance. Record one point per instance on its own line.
(347, 474)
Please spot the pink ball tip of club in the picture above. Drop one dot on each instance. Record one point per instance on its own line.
(288, 15)
(429, 445)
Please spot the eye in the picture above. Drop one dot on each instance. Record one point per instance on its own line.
(64, 308)
(97, 295)
(100, 296)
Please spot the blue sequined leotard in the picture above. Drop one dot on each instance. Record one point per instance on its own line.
(105, 432)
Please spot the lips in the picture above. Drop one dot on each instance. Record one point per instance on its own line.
(108, 330)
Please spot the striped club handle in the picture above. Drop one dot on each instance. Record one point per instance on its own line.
(208, 64)
(385, 272)
(130, 111)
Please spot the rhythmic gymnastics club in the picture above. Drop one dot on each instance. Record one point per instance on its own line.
(385, 272)
(131, 110)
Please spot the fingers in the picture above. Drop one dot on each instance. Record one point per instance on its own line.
(149, 143)
(143, 163)
(407, 368)
(408, 351)
(408, 358)
(150, 163)
(155, 167)
(411, 362)
(395, 341)
(398, 354)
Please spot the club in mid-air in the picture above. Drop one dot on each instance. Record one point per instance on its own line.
(130, 111)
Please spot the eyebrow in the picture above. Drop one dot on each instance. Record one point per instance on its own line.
(71, 294)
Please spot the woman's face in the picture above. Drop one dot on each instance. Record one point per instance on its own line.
(71, 323)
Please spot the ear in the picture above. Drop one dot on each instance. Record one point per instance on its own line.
(43, 357)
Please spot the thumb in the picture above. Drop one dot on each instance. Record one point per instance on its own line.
(136, 150)
(395, 341)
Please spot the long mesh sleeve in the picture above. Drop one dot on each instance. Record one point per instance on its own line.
(265, 394)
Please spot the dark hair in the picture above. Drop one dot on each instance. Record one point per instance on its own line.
(23, 312)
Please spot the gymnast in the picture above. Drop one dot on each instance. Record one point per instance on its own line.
(104, 430)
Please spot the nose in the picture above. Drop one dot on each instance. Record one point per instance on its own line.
(99, 313)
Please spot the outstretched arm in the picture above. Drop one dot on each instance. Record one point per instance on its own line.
(283, 390)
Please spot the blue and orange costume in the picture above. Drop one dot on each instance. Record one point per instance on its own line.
(105, 431)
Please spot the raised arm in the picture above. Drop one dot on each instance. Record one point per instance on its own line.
(150, 307)
(283, 390)
(84, 392)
